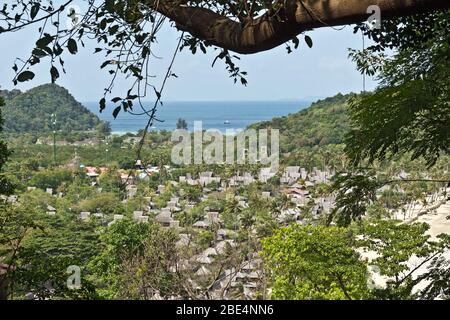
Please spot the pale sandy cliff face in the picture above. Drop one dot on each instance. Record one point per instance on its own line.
(438, 221)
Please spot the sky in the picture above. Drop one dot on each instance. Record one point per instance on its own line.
(321, 71)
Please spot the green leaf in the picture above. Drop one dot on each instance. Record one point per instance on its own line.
(104, 64)
(25, 76)
(103, 24)
(296, 42)
(202, 47)
(54, 73)
(102, 104)
(309, 41)
(44, 41)
(116, 112)
(109, 5)
(38, 52)
(35, 10)
(72, 46)
(113, 30)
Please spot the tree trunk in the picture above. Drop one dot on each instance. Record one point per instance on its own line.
(3, 282)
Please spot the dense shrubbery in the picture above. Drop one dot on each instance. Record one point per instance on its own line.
(52, 178)
(325, 122)
(4, 152)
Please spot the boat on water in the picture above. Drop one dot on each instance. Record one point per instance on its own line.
(226, 122)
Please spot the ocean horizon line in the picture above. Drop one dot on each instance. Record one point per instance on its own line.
(220, 101)
(214, 115)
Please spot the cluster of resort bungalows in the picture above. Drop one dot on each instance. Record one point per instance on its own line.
(246, 277)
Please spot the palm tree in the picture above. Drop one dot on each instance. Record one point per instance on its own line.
(182, 124)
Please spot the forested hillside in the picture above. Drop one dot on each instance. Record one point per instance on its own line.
(324, 122)
(30, 112)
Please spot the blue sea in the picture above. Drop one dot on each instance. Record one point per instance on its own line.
(233, 115)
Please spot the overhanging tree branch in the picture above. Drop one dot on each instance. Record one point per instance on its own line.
(296, 16)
